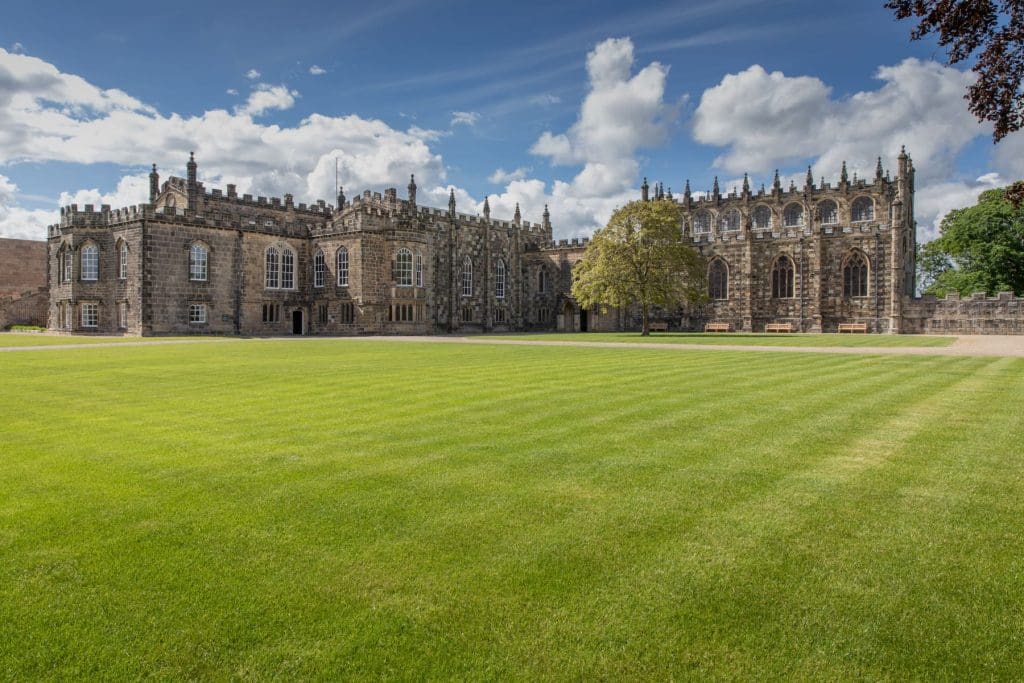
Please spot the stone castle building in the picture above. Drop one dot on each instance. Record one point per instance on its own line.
(193, 261)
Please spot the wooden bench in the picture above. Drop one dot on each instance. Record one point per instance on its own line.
(778, 327)
(718, 327)
(853, 327)
(657, 327)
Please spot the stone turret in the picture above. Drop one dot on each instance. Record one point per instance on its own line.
(341, 198)
(547, 218)
(412, 191)
(517, 218)
(191, 187)
(808, 181)
(644, 190)
(451, 203)
(154, 184)
(487, 208)
(746, 185)
(878, 171)
(844, 179)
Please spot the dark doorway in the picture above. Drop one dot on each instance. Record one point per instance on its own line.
(296, 322)
(583, 320)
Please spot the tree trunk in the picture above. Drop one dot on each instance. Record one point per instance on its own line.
(645, 330)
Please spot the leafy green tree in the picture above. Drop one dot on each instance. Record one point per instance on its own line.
(639, 258)
(980, 249)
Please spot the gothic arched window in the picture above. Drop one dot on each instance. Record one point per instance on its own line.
(467, 276)
(403, 268)
(90, 262)
(732, 220)
(287, 269)
(499, 280)
(701, 222)
(782, 278)
(827, 212)
(793, 216)
(762, 218)
(319, 268)
(855, 275)
(863, 209)
(273, 263)
(718, 279)
(343, 267)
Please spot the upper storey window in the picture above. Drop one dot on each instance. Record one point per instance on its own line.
(718, 280)
(287, 269)
(343, 267)
(273, 265)
(467, 276)
(701, 222)
(198, 263)
(732, 220)
(90, 266)
(762, 218)
(499, 280)
(403, 268)
(793, 216)
(863, 209)
(122, 262)
(319, 269)
(828, 214)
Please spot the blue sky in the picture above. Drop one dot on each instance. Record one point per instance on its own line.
(568, 103)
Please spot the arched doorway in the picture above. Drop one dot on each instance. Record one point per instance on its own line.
(568, 317)
(297, 321)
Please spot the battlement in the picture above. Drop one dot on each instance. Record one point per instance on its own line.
(320, 209)
(566, 244)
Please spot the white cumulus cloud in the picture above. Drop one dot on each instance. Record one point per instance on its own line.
(501, 176)
(268, 97)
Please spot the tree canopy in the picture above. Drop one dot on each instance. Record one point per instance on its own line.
(639, 258)
(994, 29)
(980, 249)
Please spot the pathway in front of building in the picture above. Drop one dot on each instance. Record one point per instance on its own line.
(972, 345)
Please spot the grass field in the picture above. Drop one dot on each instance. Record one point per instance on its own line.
(368, 510)
(9, 340)
(746, 339)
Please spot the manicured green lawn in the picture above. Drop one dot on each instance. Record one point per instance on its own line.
(336, 510)
(744, 339)
(10, 339)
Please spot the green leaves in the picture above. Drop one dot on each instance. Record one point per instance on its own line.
(981, 248)
(639, 258)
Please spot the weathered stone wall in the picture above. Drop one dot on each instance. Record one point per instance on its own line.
(24, 309)
(977, 314)
(22, 266)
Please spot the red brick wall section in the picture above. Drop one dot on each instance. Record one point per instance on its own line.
(22, 266)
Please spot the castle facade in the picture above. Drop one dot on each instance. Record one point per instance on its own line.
(193, 261)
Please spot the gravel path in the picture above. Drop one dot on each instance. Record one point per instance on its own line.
(975, 345)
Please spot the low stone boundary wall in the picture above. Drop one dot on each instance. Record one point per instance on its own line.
(30, 308)
(976, 314)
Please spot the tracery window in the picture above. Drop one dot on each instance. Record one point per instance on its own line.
(718, 280)
(863, 209)
(762, 218)
(419, 270)
(499, 280)
(287, 269)
(403, 268)
(855, 275)
(198, 263)
(343, 267)
(793, 216)
(273, 264)
(782, 278)
(732, 220)
(90, 265)
(828, 213)
(467, 276)
(68, 266)
(542, 280)
(701, 222)
(122, 262)
(319, 268)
